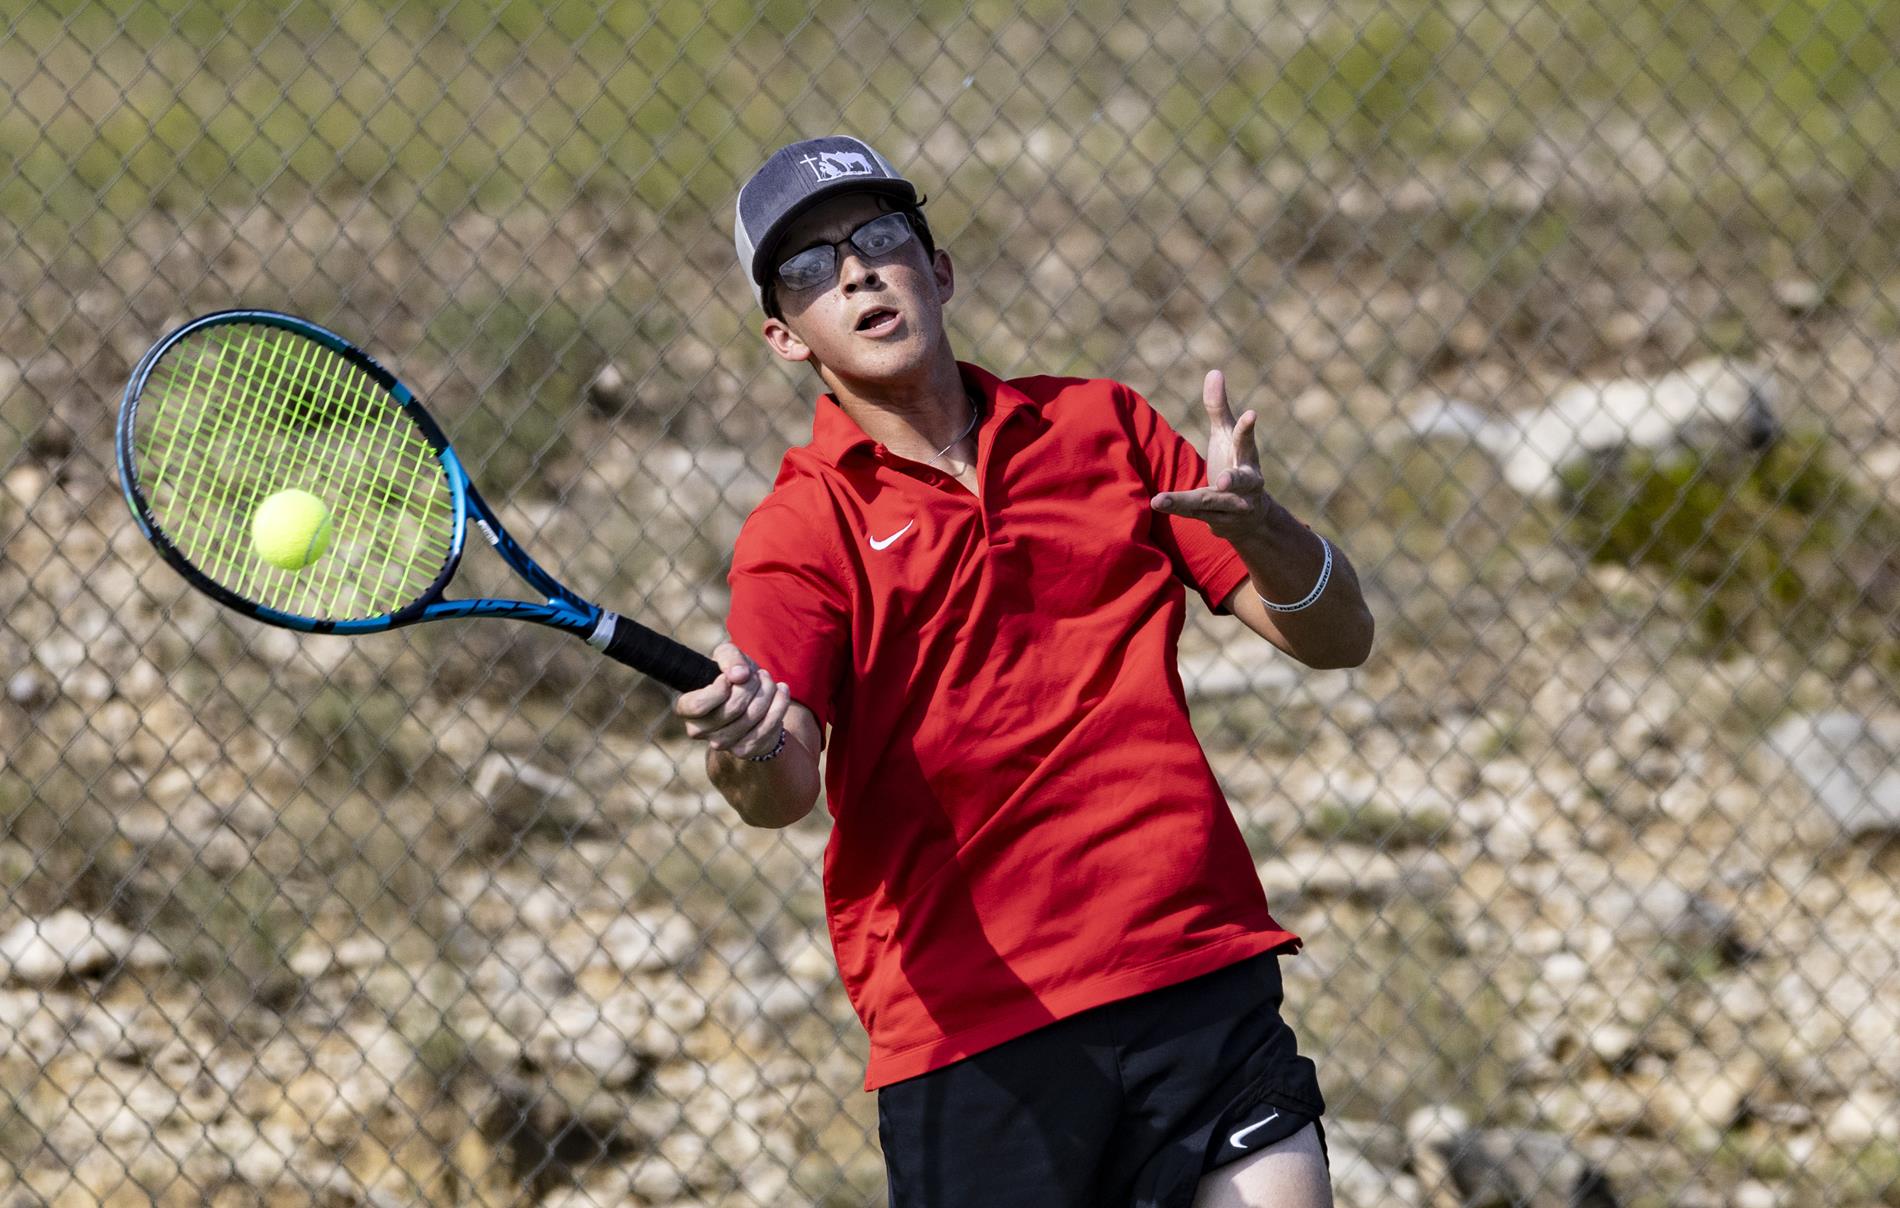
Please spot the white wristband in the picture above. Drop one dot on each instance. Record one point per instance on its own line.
(1325, 573)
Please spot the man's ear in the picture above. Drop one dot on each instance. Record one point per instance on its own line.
(784, 341)
(946, 275)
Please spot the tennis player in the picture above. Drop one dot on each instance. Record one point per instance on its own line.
(1040, 903)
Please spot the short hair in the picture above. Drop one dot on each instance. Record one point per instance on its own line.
(915, 216)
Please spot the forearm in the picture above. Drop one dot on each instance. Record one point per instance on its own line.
(774, 793)
(1284, 560)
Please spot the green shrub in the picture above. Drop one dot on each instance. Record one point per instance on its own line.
(21, 415)
(70, 852)
(1374, 824)
(529, 358)
(446, 1054)
(1874, 1171)
(1404, 1023)
(361, 737)
(230, 933)
(1774, 544)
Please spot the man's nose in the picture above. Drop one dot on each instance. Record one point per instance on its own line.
(853, 273)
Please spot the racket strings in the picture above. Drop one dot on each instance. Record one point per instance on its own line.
(269, 377)
(208, 496)
(365, 481)
(302, 468)
(241, 411)
(210, 478)
(203, 497)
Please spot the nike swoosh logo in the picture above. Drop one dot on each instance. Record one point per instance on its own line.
(1239, 1139)
(876, 544)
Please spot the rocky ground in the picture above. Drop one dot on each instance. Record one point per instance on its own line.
(1594, 914)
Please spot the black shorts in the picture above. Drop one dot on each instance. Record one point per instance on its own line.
(1126, 1104)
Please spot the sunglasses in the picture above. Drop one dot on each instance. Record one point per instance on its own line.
(818, 265)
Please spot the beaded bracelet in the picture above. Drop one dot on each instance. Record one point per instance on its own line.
(1325, 573)
(773, 754)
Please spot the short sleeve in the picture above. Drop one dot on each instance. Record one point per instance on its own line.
(789, 608)
(1201, 560)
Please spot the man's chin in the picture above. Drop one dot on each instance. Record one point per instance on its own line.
(892, 360)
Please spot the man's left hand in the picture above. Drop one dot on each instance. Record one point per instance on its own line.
(1234, 503)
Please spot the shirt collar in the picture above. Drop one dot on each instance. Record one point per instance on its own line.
(835, 435)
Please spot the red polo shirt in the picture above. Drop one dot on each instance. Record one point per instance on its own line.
(1024, 823)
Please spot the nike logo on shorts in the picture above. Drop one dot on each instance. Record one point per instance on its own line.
(877, 544)
(1239, 1139)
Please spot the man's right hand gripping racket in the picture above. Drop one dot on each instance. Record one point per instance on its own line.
(239, 407)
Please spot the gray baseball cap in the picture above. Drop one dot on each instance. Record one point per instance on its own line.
(796, 178)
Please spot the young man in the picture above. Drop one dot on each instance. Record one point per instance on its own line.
(1040, 903)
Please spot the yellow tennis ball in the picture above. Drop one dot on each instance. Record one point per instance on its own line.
(291, 529)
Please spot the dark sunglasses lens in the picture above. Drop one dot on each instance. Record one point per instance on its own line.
(811, 267)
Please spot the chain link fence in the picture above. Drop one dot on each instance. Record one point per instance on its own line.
(1576, 322)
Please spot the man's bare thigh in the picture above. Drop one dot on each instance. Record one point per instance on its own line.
(1287, 1174)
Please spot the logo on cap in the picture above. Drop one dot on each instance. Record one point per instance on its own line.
(831, 165)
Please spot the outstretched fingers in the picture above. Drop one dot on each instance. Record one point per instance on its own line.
(1235, 485)
(1230, 441)
(1202, 503)
(1214, 397)
(1246, 452)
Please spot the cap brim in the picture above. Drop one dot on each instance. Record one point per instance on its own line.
(902, 190)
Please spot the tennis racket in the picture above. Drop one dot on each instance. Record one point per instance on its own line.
(237, 406)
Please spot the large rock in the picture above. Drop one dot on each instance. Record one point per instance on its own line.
(1850, 768)
(1606, 906)
(1367, 1159)
(69, 944)
(1841, 990)
(1355, 873)
(1702, 1096)
(1866, 1117)
(1707, 404)
(523, 798)
(1663, 912)
(1220, 674)
(1498, 1167)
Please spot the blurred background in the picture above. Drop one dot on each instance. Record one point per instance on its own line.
(1575, 322)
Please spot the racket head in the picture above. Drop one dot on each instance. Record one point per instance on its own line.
(237, 405)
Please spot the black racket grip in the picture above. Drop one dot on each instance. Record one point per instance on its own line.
(680, 668)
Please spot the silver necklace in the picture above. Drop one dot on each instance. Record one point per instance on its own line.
(968, 428)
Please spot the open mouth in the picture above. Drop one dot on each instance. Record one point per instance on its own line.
(877, 321)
